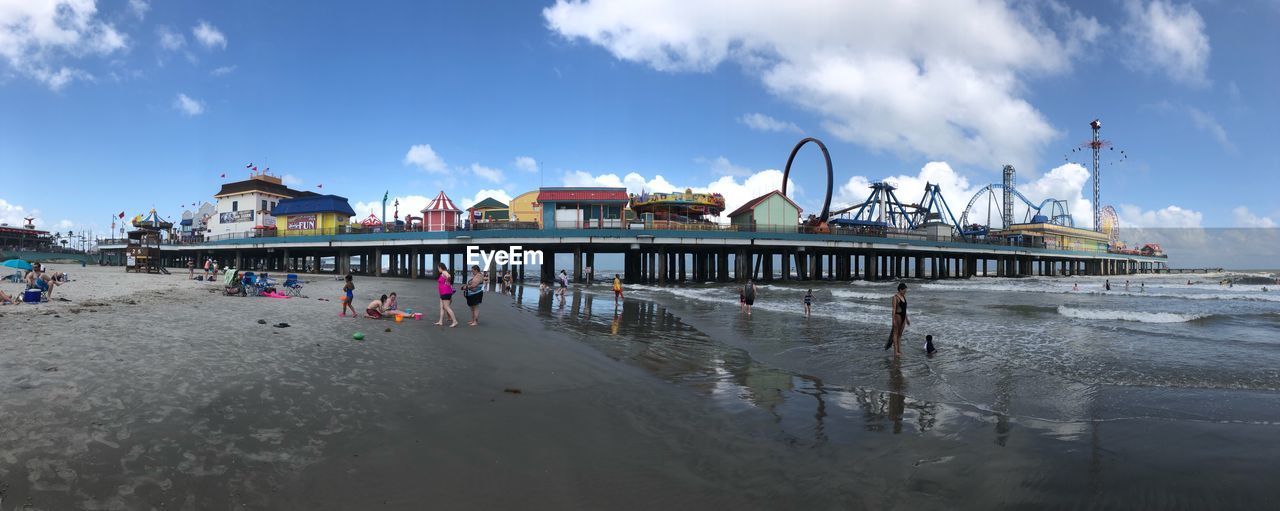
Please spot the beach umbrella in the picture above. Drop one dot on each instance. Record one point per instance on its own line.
(17, 263)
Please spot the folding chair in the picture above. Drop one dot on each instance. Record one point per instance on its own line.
(250, 284)
(292, 287)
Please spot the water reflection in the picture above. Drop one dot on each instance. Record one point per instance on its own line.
(648, 335)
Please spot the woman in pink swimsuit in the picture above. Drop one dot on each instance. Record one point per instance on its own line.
(446, 295)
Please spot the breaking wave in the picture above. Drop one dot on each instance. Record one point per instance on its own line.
(1120, 315)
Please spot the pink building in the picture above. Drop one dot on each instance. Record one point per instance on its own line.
(440, 214)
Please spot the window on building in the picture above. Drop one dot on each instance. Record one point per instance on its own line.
(264, 204)
(235, 206)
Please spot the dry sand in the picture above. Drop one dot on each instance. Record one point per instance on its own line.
(156, 392)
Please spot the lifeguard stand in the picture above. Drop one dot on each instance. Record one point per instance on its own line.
(143, 254)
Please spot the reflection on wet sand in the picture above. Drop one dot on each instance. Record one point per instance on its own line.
(647, 335)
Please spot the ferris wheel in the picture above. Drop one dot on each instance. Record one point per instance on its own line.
(1109, 224)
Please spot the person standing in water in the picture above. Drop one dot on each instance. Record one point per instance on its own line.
(617, 289)
(446, 295)
(1107, 284)
(808, 302)
(900, 319)
(749, 296)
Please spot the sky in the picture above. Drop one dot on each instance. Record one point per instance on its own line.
(127, 105)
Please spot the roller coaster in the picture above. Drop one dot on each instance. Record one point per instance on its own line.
(882, 210)
(1048, 211)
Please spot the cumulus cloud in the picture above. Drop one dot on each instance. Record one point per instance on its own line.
(209, 35)
(290, 180)
(425, 158)
(188, 106)
(409, 205)
(762, 122)
(526, 163)
(722, 166)
(1246, 218)
(223, 71)
(37, 36)
(15, 215)
(1169, 216)
(944, 80)
(487, 173)
(1168, 38)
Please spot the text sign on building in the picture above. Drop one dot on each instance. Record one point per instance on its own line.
(231, 217)
(301, 222)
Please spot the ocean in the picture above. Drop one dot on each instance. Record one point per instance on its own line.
(1044, 392)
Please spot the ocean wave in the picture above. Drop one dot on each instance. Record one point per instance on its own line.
(1121, 315)
(842, 293)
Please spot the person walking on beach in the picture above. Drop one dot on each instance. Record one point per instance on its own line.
(808, 302)
(506, 282)
(474, 291)
(590, 276)
(563, 279)
(617, 289)
(208, 261)
(446, 295)
(348, 294)
(191, 270)
(749, 296)
(900, 320)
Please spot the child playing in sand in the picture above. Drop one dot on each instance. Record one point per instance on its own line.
(391, 302)
(376, 308)
(349, 290)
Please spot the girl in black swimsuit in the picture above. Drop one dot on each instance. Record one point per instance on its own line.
(900, 320)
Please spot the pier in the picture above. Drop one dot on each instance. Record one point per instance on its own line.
(653, 256)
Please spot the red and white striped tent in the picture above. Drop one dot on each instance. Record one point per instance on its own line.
(371, 221)
(440, 214)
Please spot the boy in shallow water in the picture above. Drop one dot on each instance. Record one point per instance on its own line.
(928, 345)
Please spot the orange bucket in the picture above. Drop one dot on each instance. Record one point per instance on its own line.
(399, 318)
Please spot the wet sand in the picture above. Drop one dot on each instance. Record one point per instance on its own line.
(152, 392)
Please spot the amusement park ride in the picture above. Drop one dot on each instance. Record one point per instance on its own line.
(882, 210)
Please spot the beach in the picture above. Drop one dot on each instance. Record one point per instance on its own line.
(156, 392)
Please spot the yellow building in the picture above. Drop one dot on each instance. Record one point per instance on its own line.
(1058, 237)
(312, 215)
(524, 208)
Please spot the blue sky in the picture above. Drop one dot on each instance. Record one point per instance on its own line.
(126, 105)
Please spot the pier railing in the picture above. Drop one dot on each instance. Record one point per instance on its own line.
(859, 231)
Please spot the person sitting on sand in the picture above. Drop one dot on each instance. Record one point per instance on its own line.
(5, 299)
(391, 302)
(236, 287)
(376, 308)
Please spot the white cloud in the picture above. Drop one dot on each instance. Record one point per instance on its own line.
(1169, 38)
(409, 205)
(498, 195)
(1206, 123)
(209, 35)
(487, 173)
(290, 180)
(170, 40)
(945, 80)
(1246, 218)
(526, 163)
(187, 105)
(762, 122)
(65, 224)
(37, 36)
(722, 166)
(425, 158)
(1170, 216)
(15, 215)
(223, 71)
(139, 8)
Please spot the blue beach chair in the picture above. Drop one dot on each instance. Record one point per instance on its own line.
(250, 282)
(292, 287)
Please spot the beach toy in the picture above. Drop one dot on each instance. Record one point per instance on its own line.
(408, 311)
(399, 318)
(357, 336)
(417, 315)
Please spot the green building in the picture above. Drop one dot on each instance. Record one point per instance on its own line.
(771, 212)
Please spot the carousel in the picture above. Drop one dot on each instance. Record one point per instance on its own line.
(143, 253)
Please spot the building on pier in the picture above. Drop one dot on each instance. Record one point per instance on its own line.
(440, 214)
(312, 215)
(582, 207)
(246, 205)
(24, 238)
(772, 211)
(1058, 237)
(524, 208)
(489, 210)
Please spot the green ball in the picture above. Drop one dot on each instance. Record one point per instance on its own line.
(357, 336)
